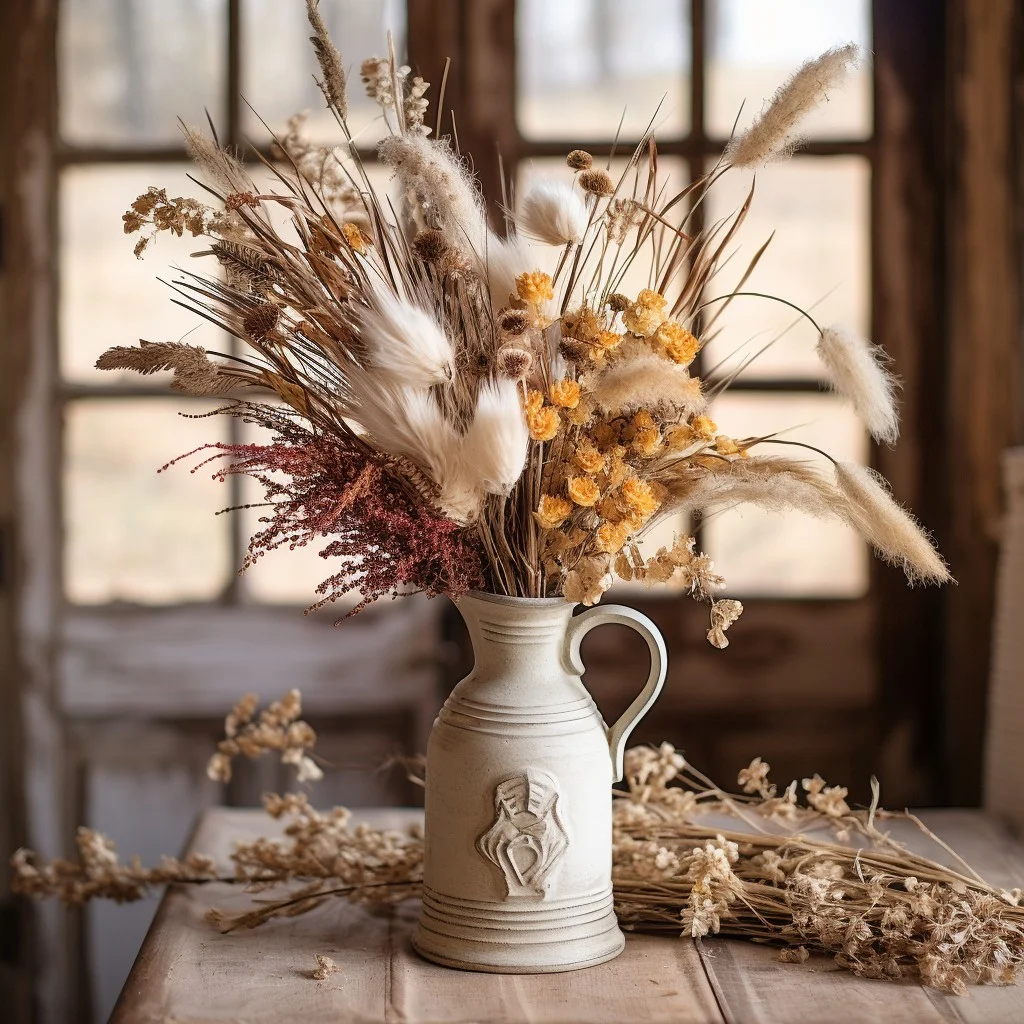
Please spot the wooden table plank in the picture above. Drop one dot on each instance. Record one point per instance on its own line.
(188, 973)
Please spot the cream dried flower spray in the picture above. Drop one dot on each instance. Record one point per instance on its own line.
(798, 868)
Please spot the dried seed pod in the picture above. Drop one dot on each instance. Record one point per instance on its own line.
(573, 351)
(597, 183)
(430, 246)
(618, 302)
(261, 320)
(513, 322)
(580, 160)
(514, 362)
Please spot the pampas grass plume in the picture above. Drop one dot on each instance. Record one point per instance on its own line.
(553, 212)
(773, 134)
(405, 342)
(887, 526)
(648, 381)
(857, 372)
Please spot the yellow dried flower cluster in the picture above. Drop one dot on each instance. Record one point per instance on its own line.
(541, 419)
(535, 288)
(565, 394)
(677, 342)
(354, 236)
(647, 314)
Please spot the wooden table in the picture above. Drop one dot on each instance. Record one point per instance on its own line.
(188, 973)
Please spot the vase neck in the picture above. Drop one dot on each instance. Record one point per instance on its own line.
(519, 648)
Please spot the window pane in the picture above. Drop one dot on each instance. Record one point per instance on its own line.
(278, 64)
(753, 47)
(765, 554)
(133, 534)
(107, 296)
(129, 70)
(579, 63)
(819, 259)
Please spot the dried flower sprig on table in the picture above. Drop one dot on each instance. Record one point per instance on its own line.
(279, 728)
(445, 415)
(799, 868)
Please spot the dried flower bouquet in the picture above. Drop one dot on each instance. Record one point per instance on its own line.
(445, 415)
(800, 868)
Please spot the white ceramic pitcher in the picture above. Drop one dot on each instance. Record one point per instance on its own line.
(517, 869)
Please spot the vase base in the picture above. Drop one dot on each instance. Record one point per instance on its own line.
(518, 937)
(431, 954)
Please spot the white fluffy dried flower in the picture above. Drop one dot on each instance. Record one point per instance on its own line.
(553, 212)
(494, 448)
(404, 341)
(857, 373)
(773, 134)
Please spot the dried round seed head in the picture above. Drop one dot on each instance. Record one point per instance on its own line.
(618, 302)
(597, 183)
(430, 246)
(454, 263)
(513, 322)
(259, 321)
(514, 363)
(573, 351)
(580, 160)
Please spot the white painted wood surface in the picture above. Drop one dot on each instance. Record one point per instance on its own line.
(188, 973)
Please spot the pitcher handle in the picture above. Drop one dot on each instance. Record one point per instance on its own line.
(582, 624)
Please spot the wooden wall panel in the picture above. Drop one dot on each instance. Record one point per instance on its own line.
(983, 335)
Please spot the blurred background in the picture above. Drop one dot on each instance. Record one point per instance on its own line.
(125, 631)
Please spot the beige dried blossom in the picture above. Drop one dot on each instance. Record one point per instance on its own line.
(325, 967)
(723, 615)
(278, 729)
(621, 217)
(754, 778)
(588, 581)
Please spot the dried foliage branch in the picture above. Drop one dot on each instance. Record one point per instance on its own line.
(470, 419)
(800, 869)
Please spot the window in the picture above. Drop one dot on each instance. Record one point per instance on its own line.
(128, 72)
